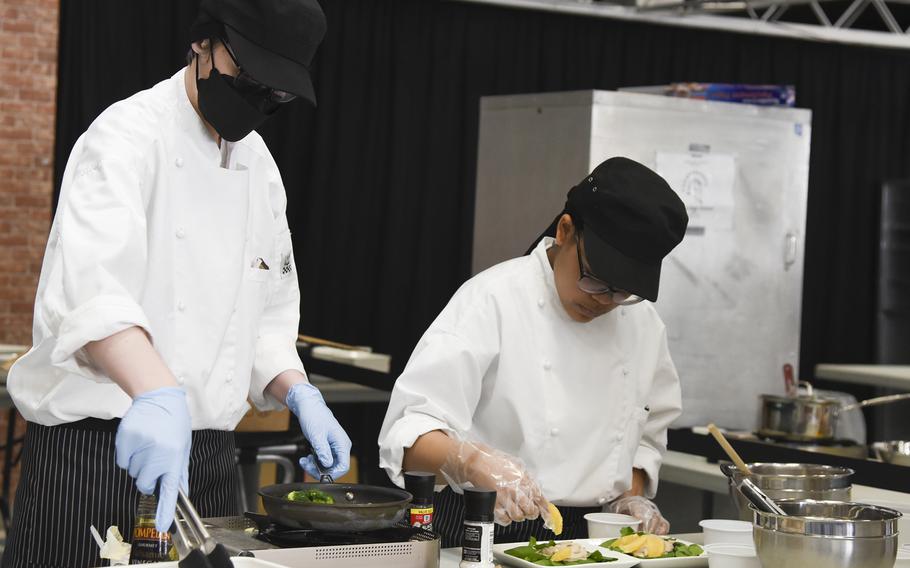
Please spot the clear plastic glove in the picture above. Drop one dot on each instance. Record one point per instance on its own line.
(328, 439)
(153, 445)
(644, 510)
(518, 497)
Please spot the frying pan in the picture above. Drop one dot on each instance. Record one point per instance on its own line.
(356, 508)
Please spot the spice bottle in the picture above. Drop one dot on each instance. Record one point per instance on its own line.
(477, 542)
(421, 485)
(148, 544)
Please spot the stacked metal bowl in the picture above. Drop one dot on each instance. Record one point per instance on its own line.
(830, 534)
(791, 481)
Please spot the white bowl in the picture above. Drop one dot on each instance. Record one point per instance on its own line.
(726, 531)
(723, 555)
(607, 525)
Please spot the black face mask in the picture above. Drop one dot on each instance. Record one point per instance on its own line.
(231, 113)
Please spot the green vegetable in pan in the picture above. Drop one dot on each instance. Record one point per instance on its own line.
(312, 496)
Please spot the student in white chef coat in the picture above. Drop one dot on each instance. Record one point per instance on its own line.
(168, 295)
(546, 377)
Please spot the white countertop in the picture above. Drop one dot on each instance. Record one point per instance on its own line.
(694, 471)
(888, 376)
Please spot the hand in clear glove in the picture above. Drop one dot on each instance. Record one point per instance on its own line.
(328, 439)
(644, 510)
(153, 445)
(518, 497)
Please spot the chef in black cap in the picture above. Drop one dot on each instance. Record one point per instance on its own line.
(168, 295)
(547, 377)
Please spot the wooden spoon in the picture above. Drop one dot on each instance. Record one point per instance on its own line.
(740, 464)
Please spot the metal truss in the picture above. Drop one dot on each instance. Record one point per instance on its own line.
(839, 21)
(774, 10)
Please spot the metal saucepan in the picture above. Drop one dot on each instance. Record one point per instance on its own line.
(356, 507)
(807, 418)
(896, 452)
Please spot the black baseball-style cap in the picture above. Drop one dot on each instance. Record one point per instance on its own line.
(630, 220)
(274, 40)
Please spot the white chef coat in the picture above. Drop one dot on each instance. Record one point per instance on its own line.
(152, 231)
(581, 404)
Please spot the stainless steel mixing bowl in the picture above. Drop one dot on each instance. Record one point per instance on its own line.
(791, 481)
(832, 534)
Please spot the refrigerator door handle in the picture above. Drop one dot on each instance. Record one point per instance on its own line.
(790, 249)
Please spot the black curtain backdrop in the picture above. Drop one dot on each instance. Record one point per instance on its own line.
(380, 179)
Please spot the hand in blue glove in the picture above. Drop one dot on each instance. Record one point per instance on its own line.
(329, 441)
(153, 445)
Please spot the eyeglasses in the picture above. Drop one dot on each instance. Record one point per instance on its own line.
(245, 83)
(589, 284)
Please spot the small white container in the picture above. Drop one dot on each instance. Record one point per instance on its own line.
(607, 525)
(732, 556)
(726, 531)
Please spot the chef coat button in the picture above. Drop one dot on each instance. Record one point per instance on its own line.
(230, 376)
(625, 372)
(602, 500)
(617, 438)
(181, 306)
(540, 302)
(547, 366)
(622, 312)
(179, 379)
(178, 162)
(180, 233)
(554, 432)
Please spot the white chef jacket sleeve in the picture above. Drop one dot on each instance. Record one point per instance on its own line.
(665, 402)
(276, 345)
(441, 384)
(97, 275)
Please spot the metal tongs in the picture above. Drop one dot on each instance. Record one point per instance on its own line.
(203, 550)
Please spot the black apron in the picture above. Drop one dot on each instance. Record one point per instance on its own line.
(448, 522)
(70, 481)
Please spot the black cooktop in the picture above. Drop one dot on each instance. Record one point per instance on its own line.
(285, 537)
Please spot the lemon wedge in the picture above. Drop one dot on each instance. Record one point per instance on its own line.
(562, 554)
(555, 523)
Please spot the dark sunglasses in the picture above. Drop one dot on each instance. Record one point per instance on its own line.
(246, 84)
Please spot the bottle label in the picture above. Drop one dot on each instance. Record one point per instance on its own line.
(149, 546)
(477, 544)
(422, 517)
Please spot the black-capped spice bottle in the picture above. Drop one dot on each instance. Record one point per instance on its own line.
(421, 485)
(477, 542)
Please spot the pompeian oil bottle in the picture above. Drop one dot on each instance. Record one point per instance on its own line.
(148, 544)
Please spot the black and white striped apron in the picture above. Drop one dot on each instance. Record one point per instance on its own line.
(448, 522)
(70, 481)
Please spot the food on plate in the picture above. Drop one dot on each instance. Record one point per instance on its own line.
(644, 545)
(555, 522)
(312, 496)
(557, 554)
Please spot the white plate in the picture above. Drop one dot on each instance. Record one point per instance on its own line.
(623, 561)
(674, 562)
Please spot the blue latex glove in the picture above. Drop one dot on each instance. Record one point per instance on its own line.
(329, 441)
(153, 445)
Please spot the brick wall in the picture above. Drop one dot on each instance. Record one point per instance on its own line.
(28, 83)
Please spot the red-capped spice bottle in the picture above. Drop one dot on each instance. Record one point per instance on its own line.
(421, 485)
(149, 545)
